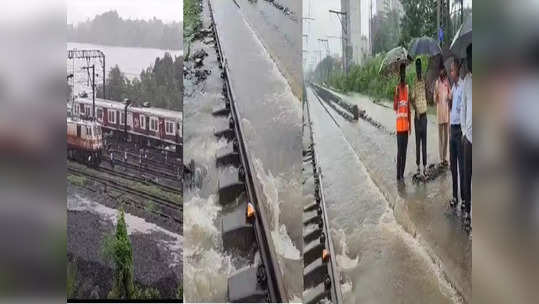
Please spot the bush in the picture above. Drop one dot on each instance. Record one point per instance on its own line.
(191, 18)
(117, 249)
(366, 80)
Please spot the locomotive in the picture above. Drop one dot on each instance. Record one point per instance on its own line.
(84, 141)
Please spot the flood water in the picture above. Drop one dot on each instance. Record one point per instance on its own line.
(270, 117)
(383, 251)
(130, 60)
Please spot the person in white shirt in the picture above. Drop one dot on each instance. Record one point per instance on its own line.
(466, 125)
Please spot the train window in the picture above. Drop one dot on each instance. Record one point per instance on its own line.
(88, 111)
(112, 116)
(78, 130)
(154, 124)
(142, 121)
(169, 127)
(99, 114)
(122, 118)
(81, 108)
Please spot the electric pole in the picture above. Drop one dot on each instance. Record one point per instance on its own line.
(93, 88)
(344, 26)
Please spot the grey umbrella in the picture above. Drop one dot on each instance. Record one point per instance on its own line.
(462, 39)
(393, 60)
(424, 46)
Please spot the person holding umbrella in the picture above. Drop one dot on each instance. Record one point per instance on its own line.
(396, 60)
(419, 103)
(429, 47)
(402, 107)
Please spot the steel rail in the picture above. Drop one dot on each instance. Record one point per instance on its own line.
(336, 292)
(124, 188)
(277, 292)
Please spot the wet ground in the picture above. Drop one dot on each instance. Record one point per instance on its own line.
(271, 117)
(395, 245)
(157, 252)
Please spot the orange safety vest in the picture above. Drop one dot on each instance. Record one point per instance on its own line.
(403, 105)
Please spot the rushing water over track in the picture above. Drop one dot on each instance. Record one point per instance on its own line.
(271, 119)
(379, 261)
(271, 122)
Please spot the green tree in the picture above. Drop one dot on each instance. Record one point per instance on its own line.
(117, 249)
(110, 29)
(159, 84)
(419, 20)
(386, 29)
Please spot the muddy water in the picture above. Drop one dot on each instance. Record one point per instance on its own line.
(206, 266)
(281, 35)
(380, 261)
(271, 120)
(420, 209)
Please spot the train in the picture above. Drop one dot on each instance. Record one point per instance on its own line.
(84, 141)
(145, 125)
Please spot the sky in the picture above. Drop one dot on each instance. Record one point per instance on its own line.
(326, 24)
(166, 10)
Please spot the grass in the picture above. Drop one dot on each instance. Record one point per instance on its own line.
(76, 180)
(71, 279)
(154, 190)
(366, 80)
(150, 207)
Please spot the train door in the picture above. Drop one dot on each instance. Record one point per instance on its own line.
(161, 128)
(129, 120)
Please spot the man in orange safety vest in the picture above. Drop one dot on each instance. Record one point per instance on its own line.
(401, 105)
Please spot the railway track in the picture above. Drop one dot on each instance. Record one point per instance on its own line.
(321, 281)
(161, 171)
(172, 207)
(245, 227)
(142, 180)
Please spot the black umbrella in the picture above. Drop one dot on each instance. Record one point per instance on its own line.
(424, 46)
(462, 39)
(393, 59)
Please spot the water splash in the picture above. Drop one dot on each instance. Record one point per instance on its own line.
(206, 267)
(345, 262)
(270, 185)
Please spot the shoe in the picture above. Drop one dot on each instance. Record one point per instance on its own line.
(453, 203)
(418, 170)
(463, 206)
(467, 221)
(425, 170)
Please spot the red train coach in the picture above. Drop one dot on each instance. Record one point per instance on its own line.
(146, 125)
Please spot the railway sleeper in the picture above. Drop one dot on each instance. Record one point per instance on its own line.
(230, 185)
(237, 230)
(315, 273)
(318, 294)
(312, 217)
(313, 250)
(248, 285)
(312, 232)
(221, 111)
(228, 155)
